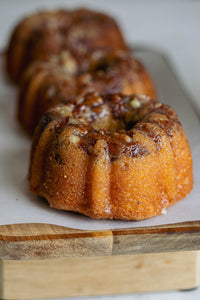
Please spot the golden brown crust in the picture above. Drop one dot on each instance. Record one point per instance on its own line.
(134, 168)
(63, 77)
(49, 32)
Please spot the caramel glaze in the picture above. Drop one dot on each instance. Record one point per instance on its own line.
(111, 156)
(49, 32)
(63, 77)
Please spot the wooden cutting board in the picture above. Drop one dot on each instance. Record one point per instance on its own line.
(44, 261)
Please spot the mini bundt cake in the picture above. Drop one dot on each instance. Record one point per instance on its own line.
(57, 80)
(111, 156)
(49, 32)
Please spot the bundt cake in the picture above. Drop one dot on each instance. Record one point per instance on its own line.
(57, 80)
(111, 156)
(49, 32)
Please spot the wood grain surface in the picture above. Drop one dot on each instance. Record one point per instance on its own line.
(101, 275)
(44, 241)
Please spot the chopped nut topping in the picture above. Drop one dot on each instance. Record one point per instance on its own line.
(65, 110)
(128, 139)
(163, 118)
(68, 62)
(74, 121)
(74, 139)
(142, 96)
(135, 103)
(158, 105)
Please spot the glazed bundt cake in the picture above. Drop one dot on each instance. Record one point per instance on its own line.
(48, 32)
(57, 80)
(111, 156)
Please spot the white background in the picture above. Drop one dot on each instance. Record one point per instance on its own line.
(172, 26)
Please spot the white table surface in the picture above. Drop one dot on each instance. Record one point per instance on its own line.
(170, 26)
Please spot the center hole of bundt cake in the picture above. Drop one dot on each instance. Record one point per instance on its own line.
(110, 112)
(114, 112)
(101, 67)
